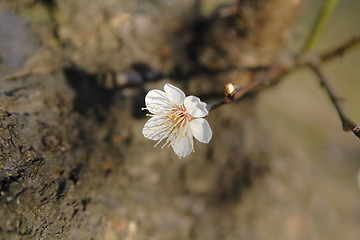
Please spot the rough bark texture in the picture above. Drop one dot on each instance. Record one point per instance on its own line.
(73, 162)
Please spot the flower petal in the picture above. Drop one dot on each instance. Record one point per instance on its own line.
(201, 130)
(156, 101)
(156, 128)
(195, 107)
(183, 145)
(174, 94)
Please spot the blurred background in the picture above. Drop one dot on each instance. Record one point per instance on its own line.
(74, 164)
(312, 108)
(298, 111)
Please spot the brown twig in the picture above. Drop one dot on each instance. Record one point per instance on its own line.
(341, 50)
(268, 77)
(347, 123)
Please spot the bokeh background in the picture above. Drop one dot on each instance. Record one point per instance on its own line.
(299, 112)
(311, 107)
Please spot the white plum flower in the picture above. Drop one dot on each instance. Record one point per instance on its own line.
(176, 119)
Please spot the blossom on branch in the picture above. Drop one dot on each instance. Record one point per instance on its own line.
(176, 119)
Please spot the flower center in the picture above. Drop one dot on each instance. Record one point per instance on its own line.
(179, 116)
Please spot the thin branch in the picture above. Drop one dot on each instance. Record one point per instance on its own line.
(266, 79)
(347, 123)
(273, 73)
(341, 50)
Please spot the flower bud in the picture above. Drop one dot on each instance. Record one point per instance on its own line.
(230, 89)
